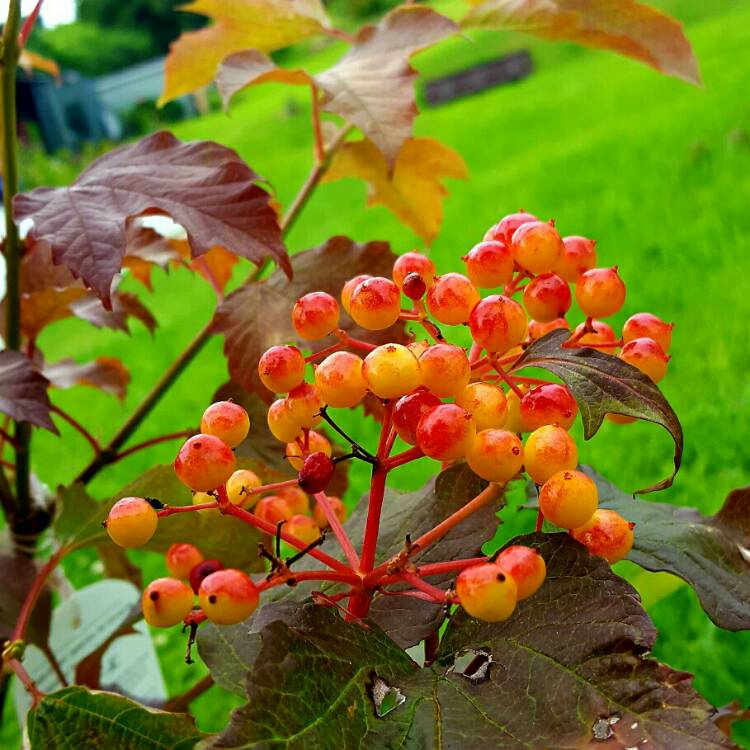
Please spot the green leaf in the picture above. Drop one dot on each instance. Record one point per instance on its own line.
(93, 720)
(711, 553)
(79, 517)
(604, 384)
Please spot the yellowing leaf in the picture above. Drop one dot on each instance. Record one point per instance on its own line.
(413, 190)
(29, 61)
(240, 24)
(624, 26)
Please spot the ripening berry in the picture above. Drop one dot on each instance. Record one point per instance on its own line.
(200, 498)
(227, 421)
(273, 509)
(602, 334)
(600, 292)
(536, 246)
(498, 323)
(413, 262)
(339, 380)
(204, 463)
(409, 409)
(348, 289)
(339, 510)
(648, 326)
(547, 297)
(486, 403)
(578, 256)
(295, 498)
(282, 423)
(315, 315)
(281, 368)
(526, 566)
(181, 559)
(446, 432)
(445, 369)
(391, 371)
(315, 442)
(303, 527)
(131, 522)
(316, 472)
(514, 421)
(549, 404)
(166, 602)
(606, 534)
(538, 329)
(620, 418)
(504, 230)
(418, 347)
(451, 299)
(240, 486)
(495, 455)
(375, 303)
(228, 596)
(201, 571)
(304, 404)
(549, 449)
(647, 356)
(487, 592)
(568, 499)
(489, 264)
(414, 286)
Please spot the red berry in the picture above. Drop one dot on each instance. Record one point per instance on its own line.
(181, 559)
(316, 472)
(204, 463)
(348, 289)
(201, 570)
(536, 246)
(647, 356)
(646, 325)
(606, 534)
(410, 263)
(577, 256)
(445, 369)
(228, 596)
(547, 297)
(489, 264)
(487, 592)
(315, 315)
(525, 566)
(446, 432)
(375, 303)
(408, 410)
(414, 286)
(538, 329)
(549, 404)
(227, 421)
(504, 230)
(166, 602)
(451, 298)
(600, 292)
(498, 323)
(281, 368)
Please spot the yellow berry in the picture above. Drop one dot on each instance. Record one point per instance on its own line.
(487, 592)
(131, 522)
(228, 596)
(166, 602)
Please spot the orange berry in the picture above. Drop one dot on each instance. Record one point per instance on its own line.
(303, 527)
(486, 403)
(606, 534)
(578, 256)
(498, 323)
(273, 509)
(647, 356)
(315, 315)
(166, 602)
(526, 567)
(568, 499)
(281, 368)
(283, 422)
(445, 369)
(495, 455)
(228, 596)
(646, 325)
(227, 421)
(600, 292)
(487, 592)
(240, 486)
(181, 559)
(549, 449)
(339, 510)
(446, 432)
(451, 298)
(375, 303)
(204, 463)
(391, 371)
(131, 522)
(339, 380)
(537, 246)
(413, 262)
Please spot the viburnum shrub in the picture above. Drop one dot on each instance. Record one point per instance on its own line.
(407, 619)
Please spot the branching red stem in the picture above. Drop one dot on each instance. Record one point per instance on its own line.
(338, 530)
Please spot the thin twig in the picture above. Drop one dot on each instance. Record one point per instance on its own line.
(78, 427)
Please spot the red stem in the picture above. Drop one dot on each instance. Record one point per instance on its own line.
(325, 352)
(338, 530)
(311, 575)
(153, 441)
(530, 381)
(504, 376)
(171, 510)
(439, 595)
(474, 353)
(320, 150)
(78, 427)
(539, 520)
(372, 526)
(273, 487)
(6, 438)
(403, 458)
(347, 340)
(28, 683)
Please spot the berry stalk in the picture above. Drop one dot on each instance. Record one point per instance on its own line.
(338, 530)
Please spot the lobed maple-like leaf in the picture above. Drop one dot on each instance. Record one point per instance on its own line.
(603, 384)
(628, 27)
(23, 391)
(105, 373)
(258, 314)
(203, 186)
(413, 188)
(239, 25)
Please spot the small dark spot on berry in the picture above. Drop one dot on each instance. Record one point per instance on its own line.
(515, 450)
(212, 599)
(197, 446)
(154, 595)
(501, 577)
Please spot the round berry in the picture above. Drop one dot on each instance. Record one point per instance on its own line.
(417, 348)
(600, 292)
(303, 527)
(414, 286)
(413, 262)
(547, 297)
(489, 264)
(568, 499)
(281, 368)
(304, 404)
(201, 570)
(391, 371)
(204, 463)
(549, 449)
(451, 299)
(227, 421)
(486, 403)
(295, 498)
(504, 230)
(200, 498)
(131, 522)
(315, 315)
(339, 380)
(315, 443)
(375, 303)
(648, 326)
(578, 256)
(495, 455)
(536, 246)
(498, 323)
(487, 592)
(181, 559)
(228, 596)
(647, 356)
(166, 602)
(282, 422)
(606, 534)
(273, 509)
(526, 567)
(338, 508)
(602, 334)
(549, 404)
(446, 432)
(445, 369)
(408, 410)
(316, 472)
(240, 488)
(348, 289)
(537, 329)
(514, 421)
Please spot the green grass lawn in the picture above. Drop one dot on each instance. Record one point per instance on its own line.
(655, 170)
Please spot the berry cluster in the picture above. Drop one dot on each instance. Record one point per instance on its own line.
(444, 401)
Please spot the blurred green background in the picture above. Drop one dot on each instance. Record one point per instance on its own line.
(655, 170)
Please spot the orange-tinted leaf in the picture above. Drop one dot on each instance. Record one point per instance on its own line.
(147, 248)
(216, 268)
(41, 308)
(413, 190)
(239, 25)
(372, 86)
(30, 61)
(106, 373)
(624, 26)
